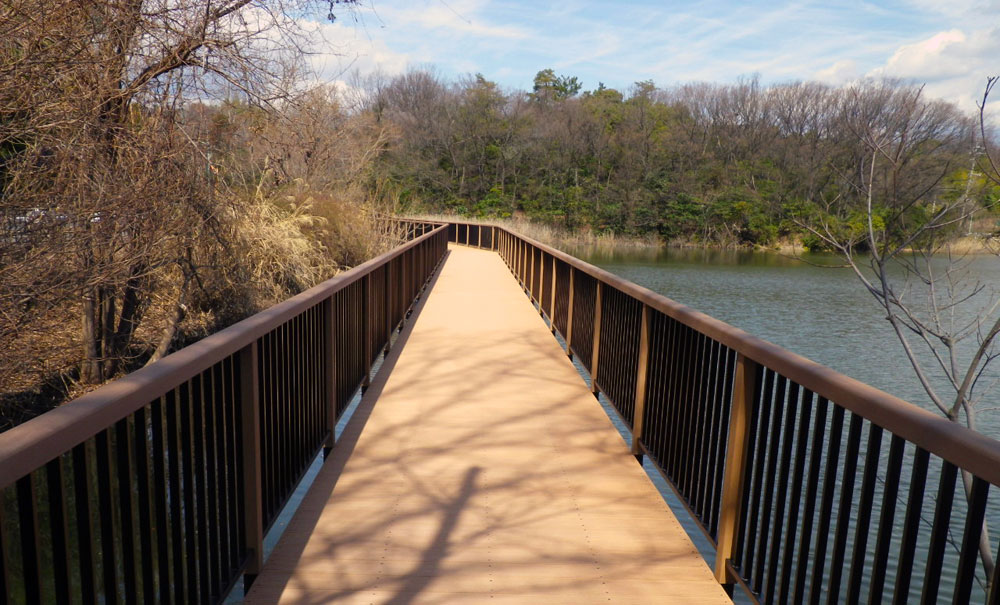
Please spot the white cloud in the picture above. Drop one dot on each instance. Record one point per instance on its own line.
(841, 72)
(338, 49)
(937, 57)
(945, 45)
(454, 19)
(957, 8)
(952, 64)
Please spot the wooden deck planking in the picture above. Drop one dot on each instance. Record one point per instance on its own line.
(480, 469)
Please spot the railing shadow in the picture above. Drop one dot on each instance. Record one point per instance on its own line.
(444, 517)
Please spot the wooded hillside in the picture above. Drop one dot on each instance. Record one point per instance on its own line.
(717, 163)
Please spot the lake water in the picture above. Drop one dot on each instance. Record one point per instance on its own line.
(821, 313)
(826, 315)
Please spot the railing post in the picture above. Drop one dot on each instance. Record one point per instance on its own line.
(569, 313)
(744, 388)
(493, 239)
(479, 236)
(253, 510)
(522, 264)
(552, 299)
(531, 276)
(596, 353)
(525, 264)
(330, 373)
(515, 259)
(639, 412)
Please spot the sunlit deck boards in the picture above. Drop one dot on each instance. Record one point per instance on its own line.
(484, 472)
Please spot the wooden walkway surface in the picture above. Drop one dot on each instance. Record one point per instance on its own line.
(482, 470)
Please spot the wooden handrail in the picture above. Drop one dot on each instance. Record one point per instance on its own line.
(960, 445)
(704, 399)
(718, 412)
(32, 444)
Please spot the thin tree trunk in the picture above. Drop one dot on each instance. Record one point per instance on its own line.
(107, 327)
(90, 368)
(170, 331)
(131, 314)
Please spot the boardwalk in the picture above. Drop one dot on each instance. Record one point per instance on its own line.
(480, 470)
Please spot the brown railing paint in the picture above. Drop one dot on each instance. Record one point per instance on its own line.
(763, 446)
(162, 485)
(777, 458)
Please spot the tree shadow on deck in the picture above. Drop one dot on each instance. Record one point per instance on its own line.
(481, 478)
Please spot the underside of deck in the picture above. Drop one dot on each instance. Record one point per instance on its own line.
(479, 468)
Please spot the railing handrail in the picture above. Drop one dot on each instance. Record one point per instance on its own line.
(963, 447)
(32, 444)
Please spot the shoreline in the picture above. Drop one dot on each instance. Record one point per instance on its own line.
(560, 237)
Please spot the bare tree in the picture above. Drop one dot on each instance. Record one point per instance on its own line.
(112, 206)
(913, 185)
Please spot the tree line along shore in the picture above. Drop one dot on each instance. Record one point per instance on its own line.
(151, 193)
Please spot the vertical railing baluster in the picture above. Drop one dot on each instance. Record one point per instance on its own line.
(844, 511)
(366, 335)
(214, 478)
(970, 540)
(826, 502)
(144, 505)
(735, 473)
(31, 550)
(105, 510)
(864, 511)
(85, 537)
(253, 518)
(387, 296)
(59, 529)
(939, 533)
(123, 447)
(886, 523)
(795, 497)
(784, 470)
(159, 487)
(177, 526)
(4, 563)
(198, 399)
(812, 492)
(330, 372)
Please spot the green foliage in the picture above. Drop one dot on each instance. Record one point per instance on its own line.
(494, 205)
(550, 86)
(737, 164)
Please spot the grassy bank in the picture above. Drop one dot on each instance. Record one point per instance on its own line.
(554, 236)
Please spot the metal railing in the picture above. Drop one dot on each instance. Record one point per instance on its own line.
(160, 486)
(812, 486)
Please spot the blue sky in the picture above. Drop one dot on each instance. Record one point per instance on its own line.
(948, 45)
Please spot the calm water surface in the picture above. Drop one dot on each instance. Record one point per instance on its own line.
(822, 313)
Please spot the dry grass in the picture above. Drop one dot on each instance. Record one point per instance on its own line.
(273, 249)
(554, 236)
(974, 245)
